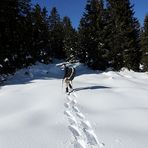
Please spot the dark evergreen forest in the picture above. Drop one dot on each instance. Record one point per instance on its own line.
(108, 36)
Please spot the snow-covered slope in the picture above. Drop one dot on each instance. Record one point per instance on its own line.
(108, 109)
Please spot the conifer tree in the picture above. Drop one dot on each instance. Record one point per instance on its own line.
(56, 34)
(46, 50)
(37, 30)
(70, 38)
(125, 41)
(13, 14)
(24, 7)
(92, 49)
(144, 44)
(24, 30)
(8, 34)
(24, 35)
(40, 49)
(113, 40)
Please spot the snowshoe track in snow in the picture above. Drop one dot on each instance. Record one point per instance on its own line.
(81, 129)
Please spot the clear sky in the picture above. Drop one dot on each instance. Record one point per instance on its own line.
(75, 8)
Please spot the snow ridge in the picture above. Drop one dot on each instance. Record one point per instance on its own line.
(80, 127)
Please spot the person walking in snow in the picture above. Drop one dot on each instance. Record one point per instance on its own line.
(68, 78)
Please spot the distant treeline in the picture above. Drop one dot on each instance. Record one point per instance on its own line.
(108, 35)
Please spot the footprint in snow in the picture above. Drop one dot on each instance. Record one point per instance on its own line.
(75, 109)
(75, 131)
(67, 105)
(72, 120)
(92, 138)
(80, 127)
(80, 115)
(86, 125)
(79, 144)
(68, 113)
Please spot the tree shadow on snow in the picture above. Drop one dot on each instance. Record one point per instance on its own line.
(26, 79)
(91, 88)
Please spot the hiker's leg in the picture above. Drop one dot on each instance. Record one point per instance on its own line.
(67, 85)
(70, 86)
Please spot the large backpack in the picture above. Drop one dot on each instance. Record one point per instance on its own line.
(69, 73)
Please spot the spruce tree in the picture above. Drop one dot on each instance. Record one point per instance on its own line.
(144, 44)
(40, 50)
(125, 41)
(92, 49)
(25, 33)
(70, 38)
(9, 15)
(13, 14)
(46, 49)
(113, 40)
(56, 34)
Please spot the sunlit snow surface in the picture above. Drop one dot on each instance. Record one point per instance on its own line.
(110, 108)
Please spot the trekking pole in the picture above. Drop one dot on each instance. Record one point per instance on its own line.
(62, 84)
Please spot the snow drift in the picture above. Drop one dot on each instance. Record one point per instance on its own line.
(110, 107)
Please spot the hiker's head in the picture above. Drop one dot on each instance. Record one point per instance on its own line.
(63, 66)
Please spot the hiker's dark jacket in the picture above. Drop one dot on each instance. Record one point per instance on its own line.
(69, 73)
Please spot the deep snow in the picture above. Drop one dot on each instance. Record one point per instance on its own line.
(108, 108)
